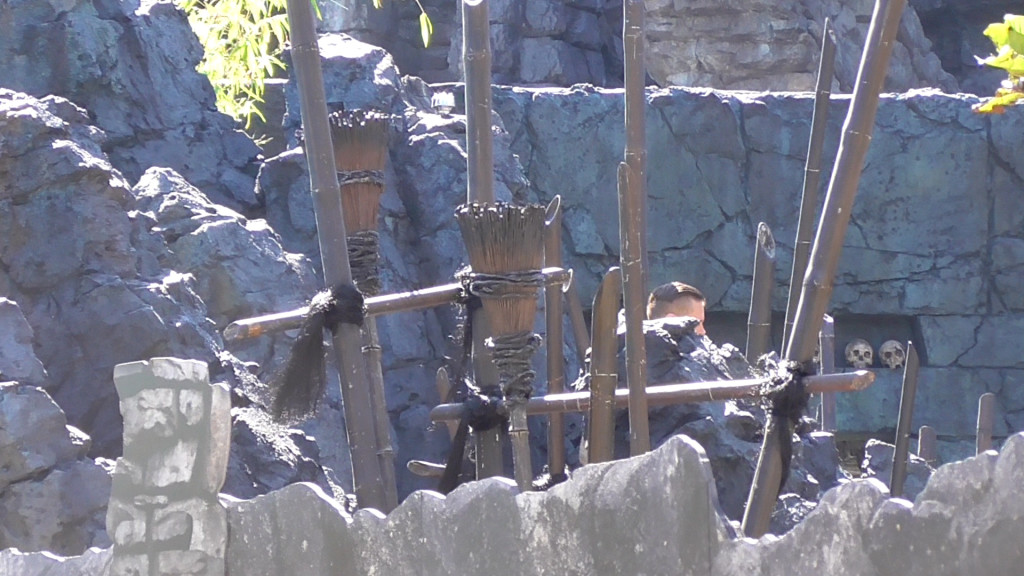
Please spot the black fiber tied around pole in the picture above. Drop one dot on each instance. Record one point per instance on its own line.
(297, 388)
(786, 398)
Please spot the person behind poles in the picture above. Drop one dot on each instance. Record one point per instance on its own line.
(675, 299)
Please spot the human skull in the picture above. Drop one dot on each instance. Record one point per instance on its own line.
(859, 353)
(892, 354)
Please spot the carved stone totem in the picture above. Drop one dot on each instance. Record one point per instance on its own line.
(164, 516)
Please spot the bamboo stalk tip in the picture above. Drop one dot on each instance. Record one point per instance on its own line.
(233, 332)
(553, 210)
(765, 239)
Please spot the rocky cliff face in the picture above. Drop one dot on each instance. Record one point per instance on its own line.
(725, 45)
(131, 65)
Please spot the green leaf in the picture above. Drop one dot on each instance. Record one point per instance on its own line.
(426, 29)
(378, 4)
(998, 33)
(1008, 60)
(998, 103)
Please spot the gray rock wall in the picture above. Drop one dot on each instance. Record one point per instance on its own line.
(131, 64)
(931, 253)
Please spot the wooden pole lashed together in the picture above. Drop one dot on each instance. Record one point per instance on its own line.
(347, 340)
(506, 250)
(824, 261)
(375, 306)
(360, 140)
(759, 318)
(632, 178)
(669, 394)
(812, 173)
(555, 337)
(986, 417)
(903, 424)
(604, 377)
(476, 60)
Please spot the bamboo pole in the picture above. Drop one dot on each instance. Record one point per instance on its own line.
(581, 335)
(346, 339)
(476, 59)
(759, 319)
(986, 416)
(555, 337)
(926, 439)
(828, 244)
(812, 172)
(444, 388)
(827, 361)
(375, 306)
(604, 376)
(632, 176)
(669, 394)
(899, 455)
(360, 141)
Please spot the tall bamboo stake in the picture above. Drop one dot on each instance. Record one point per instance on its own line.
(555, 337)
(812, 172)
(633, 223)
(986, 416)
(476, 59)
(827, 361)
(581, 336)
(828, 244)
(759, 319)
(360, 141)
(899, 455)
(330, 224)
(604, 376)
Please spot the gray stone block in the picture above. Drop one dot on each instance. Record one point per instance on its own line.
(296, 526)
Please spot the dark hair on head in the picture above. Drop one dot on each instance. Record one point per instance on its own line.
(668, 293)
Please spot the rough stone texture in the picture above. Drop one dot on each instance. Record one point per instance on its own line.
(164, 510)
(94, 562)
(878, 464)
(18, 360)
(52, 497)
(660, 519)
(955, 28)
(913, 259)
(588, 525)
(776, 45)
(132, 65)
(110, 288)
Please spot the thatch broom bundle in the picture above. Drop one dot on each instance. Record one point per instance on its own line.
(360, 140)
(505, 243)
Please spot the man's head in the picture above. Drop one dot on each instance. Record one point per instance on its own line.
(677, 299)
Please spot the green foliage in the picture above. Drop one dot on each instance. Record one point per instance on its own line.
(1008, 38)
(243, 41)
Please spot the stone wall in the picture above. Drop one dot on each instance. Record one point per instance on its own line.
(656, 513)
(764, 45)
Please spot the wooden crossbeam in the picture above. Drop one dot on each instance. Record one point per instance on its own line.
(669, 394)
(375, 306)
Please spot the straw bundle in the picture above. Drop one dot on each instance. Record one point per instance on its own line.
(505, 240)
(360, 141)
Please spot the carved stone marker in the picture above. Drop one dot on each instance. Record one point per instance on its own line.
(164, 516)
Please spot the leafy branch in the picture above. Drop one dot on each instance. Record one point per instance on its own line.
(243, 41)
(1008, 38)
